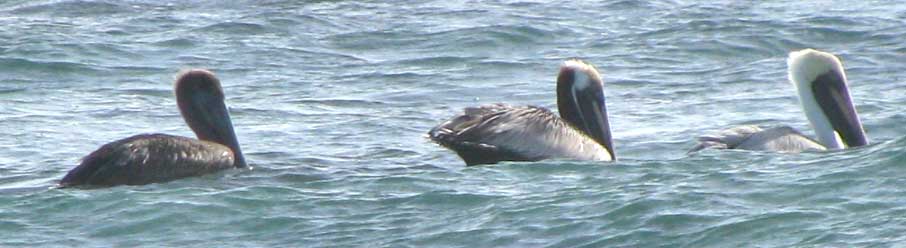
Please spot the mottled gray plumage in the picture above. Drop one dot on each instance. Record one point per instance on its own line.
(499, 132)
(149, 158)
(780, 139)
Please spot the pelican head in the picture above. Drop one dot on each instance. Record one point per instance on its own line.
(821, 82)
(200, 100)
(580, 99)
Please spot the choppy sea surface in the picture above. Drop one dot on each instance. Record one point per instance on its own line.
(331, 101)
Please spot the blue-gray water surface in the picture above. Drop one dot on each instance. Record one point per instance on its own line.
(331, 101)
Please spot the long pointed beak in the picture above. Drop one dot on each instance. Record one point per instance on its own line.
(580, 98)
(213, 114)
(200, 100)
(832, 95)
(593, 109)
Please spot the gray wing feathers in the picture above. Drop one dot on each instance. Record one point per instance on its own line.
(533, 133)
(726, 139)
(149, 158)
(780, 139)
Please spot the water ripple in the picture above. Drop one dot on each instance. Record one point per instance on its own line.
(331, 101)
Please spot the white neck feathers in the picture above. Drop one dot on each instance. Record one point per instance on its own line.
(804, 67)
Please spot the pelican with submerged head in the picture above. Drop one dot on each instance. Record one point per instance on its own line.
(821, 84)
(493, 133)
(153, 158)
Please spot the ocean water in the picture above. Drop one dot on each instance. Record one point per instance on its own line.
(331, 101)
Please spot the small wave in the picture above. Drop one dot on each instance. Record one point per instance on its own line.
(9, 91)
(31, 66)
(446, 198)
(74, 8)
(493, 35)
(176, 43)
(740, 231)
(235, 28)
(438, 61)
(339, 102)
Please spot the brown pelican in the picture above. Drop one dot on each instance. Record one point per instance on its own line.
(821, 83)
(492, 133)
(151, 158)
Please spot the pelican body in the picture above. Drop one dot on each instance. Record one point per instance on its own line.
(153, 158)
(821, 84)
(492, 133)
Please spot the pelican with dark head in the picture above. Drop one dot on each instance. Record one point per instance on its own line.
(823, 93)
(492, 133)
(153, 158)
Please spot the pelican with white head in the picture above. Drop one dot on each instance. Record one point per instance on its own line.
(823, 92)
